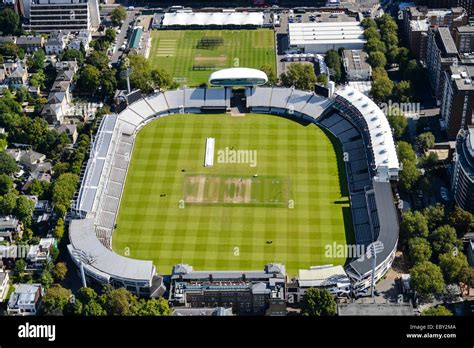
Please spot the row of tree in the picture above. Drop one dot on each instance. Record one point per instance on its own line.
(59, 301)
(383, 49)
(431, 237)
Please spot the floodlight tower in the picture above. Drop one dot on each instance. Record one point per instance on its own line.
(371, 253)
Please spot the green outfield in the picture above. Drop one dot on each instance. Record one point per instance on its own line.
(188, 57)
(296, 176)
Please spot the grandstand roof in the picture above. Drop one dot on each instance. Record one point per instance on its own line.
(83, 238)
(325, 33)
(322, 276)
(388, 233)
(91, 180)
(383, 145)
(213, 18)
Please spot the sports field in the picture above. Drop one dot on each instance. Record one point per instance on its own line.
(189, 58)
(285, 208)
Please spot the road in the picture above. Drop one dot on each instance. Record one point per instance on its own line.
(121, 37)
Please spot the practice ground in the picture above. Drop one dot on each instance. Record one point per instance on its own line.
(207, 216)
(177, 52)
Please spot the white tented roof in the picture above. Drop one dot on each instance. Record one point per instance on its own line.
(213, 18)
(238, 73)
(381, 138)
(325, 33)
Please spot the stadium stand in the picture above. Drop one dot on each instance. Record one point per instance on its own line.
(359, 125)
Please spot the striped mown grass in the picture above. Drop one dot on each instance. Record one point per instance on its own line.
(151, 224)
(176, 51)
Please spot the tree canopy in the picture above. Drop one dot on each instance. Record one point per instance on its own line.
(301, 76)
(318, 302)
(118, 15)
(427, 279)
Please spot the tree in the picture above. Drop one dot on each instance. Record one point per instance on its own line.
(392, 54)
(382, 88)
(397, 120)
(403, 57)
(318, 302)
(444, 240)
(59, 229)
(8, 203)
(413, 224)
(405, 152)
(89, 79)
(39, 188)
(162, 79)
(24, 209)
(437, 311)
(419, 250)
(72, 55)
(408, 176)
(426, 278)
(322, 79)
(8, 165)
(46, 279)
(434, 215)
(140, 76)
(19, 269)
(371, 33)
(368, 23)
(55, 300)
(426, 140)
(462, 221)
(118, 15)
(6, 184)
(429, 161)
(93, 309)
(86, 295)
(377, 59)
(301, 76)
(151, 307)
(9, 22)
(375, 45)
(333, 61)
(38, 79)
(99, 59)
(452, 265)
(36, 61)
(110, 35)
(403, 91)
(60, 271)
(270, 71)
(116, 301)
(63, 191)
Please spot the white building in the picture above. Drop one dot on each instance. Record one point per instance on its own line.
(356, 66)
(25, 300)
(83, 37)
(40, 253)
(56, 42)
(329, 277)
(320, 37)
(46, 16)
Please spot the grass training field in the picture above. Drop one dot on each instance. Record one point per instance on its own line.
(233, 215)
(190, 56)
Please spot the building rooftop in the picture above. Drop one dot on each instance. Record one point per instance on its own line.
(25, 294)
(325, 33)
(87, 247)
(462, 76)
(449, 46)
(356, 60)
